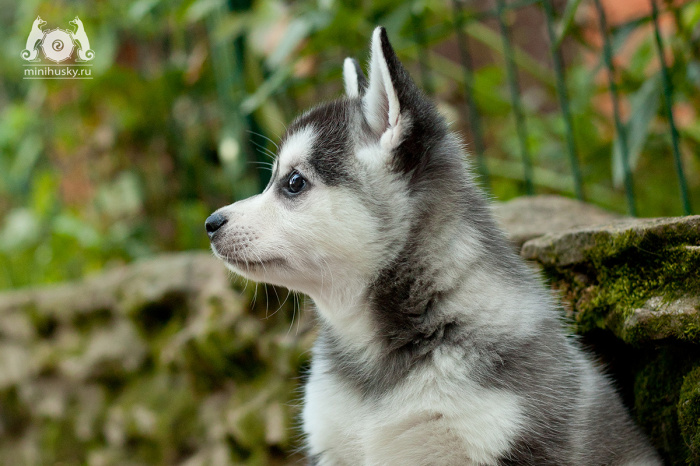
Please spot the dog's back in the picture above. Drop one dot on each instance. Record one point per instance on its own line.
(438, 345)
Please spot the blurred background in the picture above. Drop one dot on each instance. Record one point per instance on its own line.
(592, 99)
(185, 95)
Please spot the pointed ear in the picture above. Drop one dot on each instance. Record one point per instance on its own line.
(354, 78)
(391, 93)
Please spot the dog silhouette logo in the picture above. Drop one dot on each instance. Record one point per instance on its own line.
(36, 36)
(58, 44)
(79, 36)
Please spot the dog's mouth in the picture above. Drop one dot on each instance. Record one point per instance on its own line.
(247, 264)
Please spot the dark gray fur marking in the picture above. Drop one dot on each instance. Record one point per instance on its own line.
(331, 152)
(361, 79)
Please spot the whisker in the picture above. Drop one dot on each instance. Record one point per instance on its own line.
(263, 136)
(262, 165)
(300, 316)
(294, 313)
(264, 150)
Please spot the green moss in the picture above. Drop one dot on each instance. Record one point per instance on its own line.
(604, 244)
(684, 327)
(657, 393)
(16, 416)
(45, 324)
(621, 274)
(152, 317)
(689, 414)
(628, 283)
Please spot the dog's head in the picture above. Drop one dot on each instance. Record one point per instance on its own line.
(350, 182)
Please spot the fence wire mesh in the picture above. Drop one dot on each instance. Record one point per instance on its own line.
(557, 27)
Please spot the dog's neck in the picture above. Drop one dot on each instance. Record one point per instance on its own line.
(348, 313)
(394, 304)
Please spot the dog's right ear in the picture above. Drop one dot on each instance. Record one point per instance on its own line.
(354, 78)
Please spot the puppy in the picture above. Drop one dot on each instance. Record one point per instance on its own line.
(437, 344)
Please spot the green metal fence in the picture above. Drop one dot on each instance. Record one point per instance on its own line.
(556, 39)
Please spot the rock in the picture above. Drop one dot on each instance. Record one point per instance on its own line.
(689, 414)
(525, 218)
(16, 364)
(603, 241)
(659, 319)
(117, 349)
(196, 276)
(666, 399)
(635, 277)
(637, 282)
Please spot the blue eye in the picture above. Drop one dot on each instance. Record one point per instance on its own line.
(295, 182)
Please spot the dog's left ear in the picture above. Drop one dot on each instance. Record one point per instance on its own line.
(391, 91)
(354, 78)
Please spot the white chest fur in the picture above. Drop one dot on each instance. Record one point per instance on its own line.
(428, 419)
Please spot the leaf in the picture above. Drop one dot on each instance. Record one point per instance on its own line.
(202, 8)
(21, 230)
(230, 26)
(643, 105)
(139, 9)
(693, 72)
(567, 20)
(269, 87)
(297, 31)
(28, 153)
(73, 227)
(691, 16)
(122, 197)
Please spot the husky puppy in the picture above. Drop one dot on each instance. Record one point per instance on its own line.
(437, 344)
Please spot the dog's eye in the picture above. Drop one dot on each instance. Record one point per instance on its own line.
(295, 182)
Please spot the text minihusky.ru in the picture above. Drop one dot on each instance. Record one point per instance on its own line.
(57, 72)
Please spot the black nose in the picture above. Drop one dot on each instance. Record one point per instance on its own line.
(213, 223)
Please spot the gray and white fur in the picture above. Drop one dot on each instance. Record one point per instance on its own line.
(437, 343)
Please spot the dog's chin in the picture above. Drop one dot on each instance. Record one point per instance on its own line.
(265, 269)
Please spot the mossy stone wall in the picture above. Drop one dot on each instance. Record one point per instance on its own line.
(167, 361)
(632, 289)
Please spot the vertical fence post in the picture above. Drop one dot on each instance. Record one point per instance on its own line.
(563, 98)
(515, 99)
(668, 104)
(419, 37)
(619, 126)
(472, 112)
(228, 63)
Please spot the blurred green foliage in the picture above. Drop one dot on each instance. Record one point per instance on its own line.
(186, 94)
